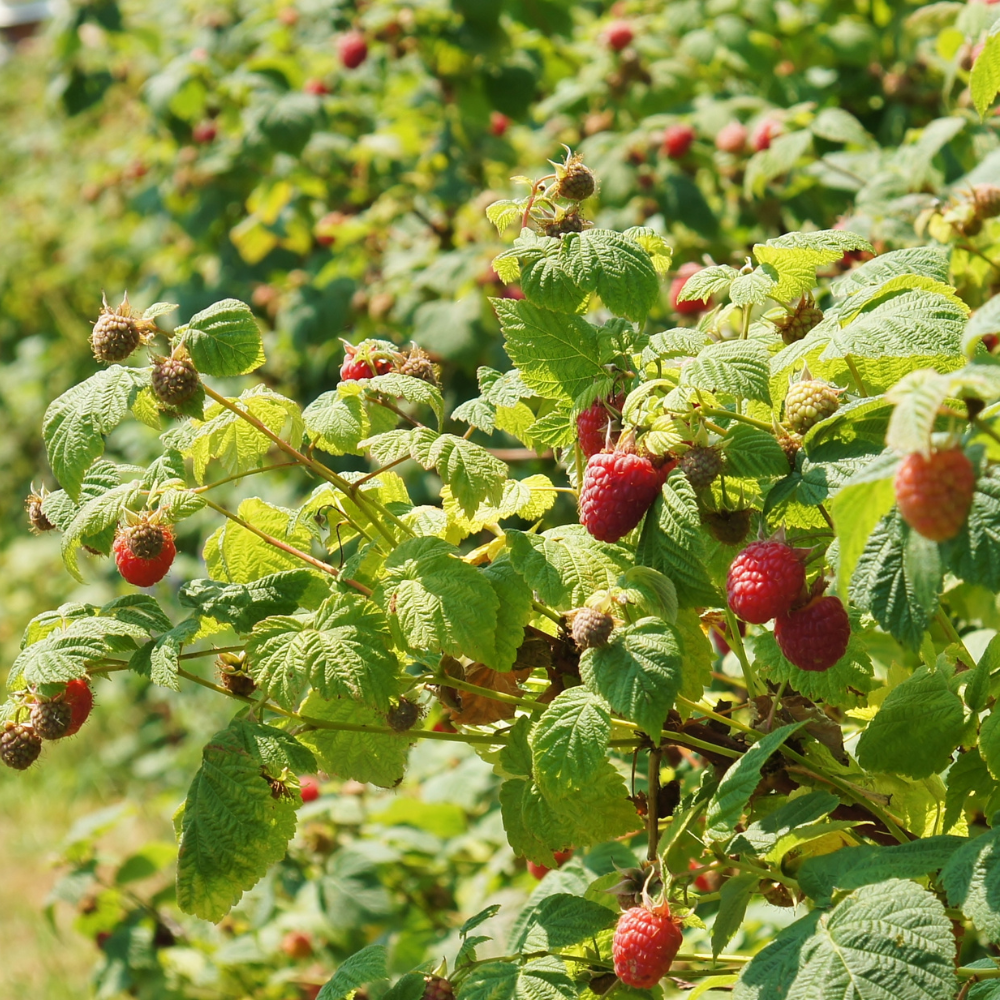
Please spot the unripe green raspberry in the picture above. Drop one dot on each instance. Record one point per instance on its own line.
(701, 465)
(808, 402)
(791, 445)
(800, 321)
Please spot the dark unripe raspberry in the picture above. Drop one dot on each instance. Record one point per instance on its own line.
(701, 465)
(418, 364)
(234, 675)
(19, 746)
(403, 715)
(987, 199)
(591, 628)
(175, 379)
(731, 138)
(51, 719)
(686, 306)
(677, 140)
(353, 49)
(934, 494)
(791, 445)
(136, 569)
(644, 945)
(568, 222)
(114, 337)
(814, 637)
(576, 181)
(728, 526)
(145, 540)
(764, 581)
(808, 402)
(437, 988)
(595, 427)
(800, 321)
(37, 521)
(618, 489)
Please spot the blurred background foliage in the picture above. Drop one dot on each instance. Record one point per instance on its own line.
(191, 150)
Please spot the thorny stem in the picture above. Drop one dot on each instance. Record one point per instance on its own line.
(509, 699)
(652, 803)
(399, 413)
(243, 475)
(373, 475)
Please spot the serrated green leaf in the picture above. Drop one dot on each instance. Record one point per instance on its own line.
(705, 283)
(838, 125)
(738, 783)
(734, 898)
(503, 213)
(566, 565)
(916, 729)
(558, 356)
(779, 158)
(94, 517)
(365, 966)
(563, 920)
(435, 602)
(866, 864)
(76, 422)
(376, 757)
(639, 673)
(569, 742)
(989, 742)
(672, 542)
(660, 252)
(753, 288)
(233, 829)
(243, 605)
(932, 262)
(763, 834)
(739, 368)
(413, 390)
(857, 507)
(891, 940)
(514, 611)
(468, 469)
(972, 881)
(137, 609)
(973, 554)
(751, 453)
(541, 979)
(165, 650)
(336, 424)
(984, 81)
(224, 339)
(342, 650)
(881, 583)
(795, 257)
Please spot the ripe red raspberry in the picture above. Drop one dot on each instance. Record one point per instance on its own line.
(814, 637)
(353, 49)
(644, 945)
(934, 494)
(619, 35)
(540, 871)
(309, 788)
(764, 132)
(499, 123)
(443, 726)
(297, 944)
(80, 698)
(684, 272)
(437, 988)
(677, 140)
(361, 363)
(205, 132)
(764, 580)
(731, 138)
(618, 489)
(132, 547)
(317, 88)
(595, 426)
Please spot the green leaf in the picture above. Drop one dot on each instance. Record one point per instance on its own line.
(856, 508)
(570, 742)
(352, 753)
(558, 356)
(566, 565)
(866, 864)
(365, 966)
(837, 125)
(739, 368)
(563, 920)
(242, 605)
(435, 602)
(468, 469)
(972, 881)
(967, 776)
(237, 555)
(342, 650)
(707, 282)
(984, 82)
(973, 554)
(739, 782)
(672, 541)
(795, 257)
(883, 583)
(734, 898)
(224, 339)
(137, 609)
(233, 829)
(977, 687)
(76, 422)
(165, 651)
(779, 158)
(891, 941)
(932, 262)
(915, 731)
(541, 979)
(752, 453)
(989, 742)
(94, 517)
(336, 423)
(513, 613)
(761, 836)
(639, 673)
(413, 390)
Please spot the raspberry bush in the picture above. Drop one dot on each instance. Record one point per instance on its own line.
(543, 627)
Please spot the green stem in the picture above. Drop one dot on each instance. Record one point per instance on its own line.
(652, 803)
(701, 956)
(735, 641)
(985, 428)
(946, 623)
(243, 475)
(709, 714)
(856, 375)
(508, 699)
(733, 415)
(966, 973)
(547, 612)
(382, 468)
